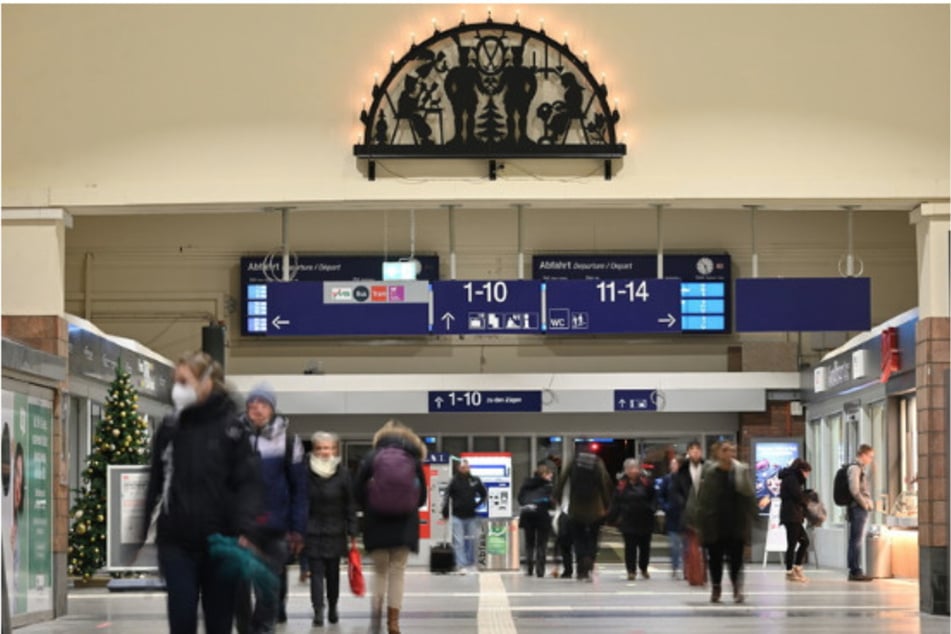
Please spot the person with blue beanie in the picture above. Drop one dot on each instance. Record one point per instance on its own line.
(282, 523)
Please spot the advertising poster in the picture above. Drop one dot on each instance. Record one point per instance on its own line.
(27, 502)
(770, 456)
(495, 469)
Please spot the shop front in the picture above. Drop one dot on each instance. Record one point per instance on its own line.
(864, 393)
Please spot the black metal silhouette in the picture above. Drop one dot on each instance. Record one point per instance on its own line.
(513, 93)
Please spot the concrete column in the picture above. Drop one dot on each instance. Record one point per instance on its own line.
(933, 228)
(34, 261)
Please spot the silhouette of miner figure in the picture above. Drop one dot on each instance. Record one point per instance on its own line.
(461, 85)
(407, 107)
(520, 87)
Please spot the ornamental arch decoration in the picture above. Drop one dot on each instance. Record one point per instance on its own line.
(490, 91)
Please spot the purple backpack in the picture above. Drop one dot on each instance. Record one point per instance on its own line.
(394, 487)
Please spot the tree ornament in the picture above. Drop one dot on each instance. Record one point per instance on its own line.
(81, 528)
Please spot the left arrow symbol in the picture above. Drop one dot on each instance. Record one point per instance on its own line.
(278, 322)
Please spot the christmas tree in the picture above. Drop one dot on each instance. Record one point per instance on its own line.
(121, 438)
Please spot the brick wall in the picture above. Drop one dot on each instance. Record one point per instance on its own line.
(932, 357)
(775, 422)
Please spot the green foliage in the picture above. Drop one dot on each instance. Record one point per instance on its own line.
(121, 438)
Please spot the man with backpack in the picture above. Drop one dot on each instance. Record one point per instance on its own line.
(282, 522)
(850, 489)
(589, 498)
(465, 493)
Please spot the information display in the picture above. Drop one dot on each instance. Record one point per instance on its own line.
(126, 487)
(495, 471)
(487, 307)
(613, 306)
(705, 280)
(770, 457)
(485, 401)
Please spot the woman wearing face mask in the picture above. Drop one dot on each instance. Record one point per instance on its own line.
(331, 518)
(203, 480)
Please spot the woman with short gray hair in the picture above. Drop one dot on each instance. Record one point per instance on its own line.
(633, 508)
(331, 518)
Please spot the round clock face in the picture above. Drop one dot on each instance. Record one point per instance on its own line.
(705, 266)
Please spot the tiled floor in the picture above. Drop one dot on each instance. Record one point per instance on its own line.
(507, 602)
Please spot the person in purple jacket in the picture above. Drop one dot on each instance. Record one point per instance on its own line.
(282, 523)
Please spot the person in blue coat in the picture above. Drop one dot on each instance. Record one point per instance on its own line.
(282, 522)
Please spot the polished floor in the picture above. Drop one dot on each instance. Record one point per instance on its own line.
(510, 602)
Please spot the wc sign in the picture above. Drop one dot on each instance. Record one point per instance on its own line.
(567, 319)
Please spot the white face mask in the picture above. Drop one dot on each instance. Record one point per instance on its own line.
(183, 396)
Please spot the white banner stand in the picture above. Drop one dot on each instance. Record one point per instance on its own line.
(776, 534)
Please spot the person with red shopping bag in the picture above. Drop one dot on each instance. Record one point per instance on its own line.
(331, 519)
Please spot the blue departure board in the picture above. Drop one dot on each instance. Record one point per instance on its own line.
(702, 277)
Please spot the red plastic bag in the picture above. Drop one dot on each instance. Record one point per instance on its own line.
(355, 572)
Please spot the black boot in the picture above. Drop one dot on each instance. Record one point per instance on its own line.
(332, 612)
(531, 569)
(715, 593)
(319, 615)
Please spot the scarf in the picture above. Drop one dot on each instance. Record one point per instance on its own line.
(325, 468)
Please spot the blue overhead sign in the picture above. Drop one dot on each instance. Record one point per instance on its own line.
(486, 401)
(705, 280)
(486, 307)
(612, 306)
(635, 400)
(338, 308)
(258, 271)
(803, 304)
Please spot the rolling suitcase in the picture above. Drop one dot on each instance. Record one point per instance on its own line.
(442, 558)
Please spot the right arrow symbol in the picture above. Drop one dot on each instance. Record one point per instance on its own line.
(670, 320)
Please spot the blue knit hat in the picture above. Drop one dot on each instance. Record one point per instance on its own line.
(263, 392)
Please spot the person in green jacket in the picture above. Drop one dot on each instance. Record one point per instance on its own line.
(725, 510)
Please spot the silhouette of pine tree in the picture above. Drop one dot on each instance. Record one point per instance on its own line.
(491, 127)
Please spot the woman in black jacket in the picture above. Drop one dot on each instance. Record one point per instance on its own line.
(535, 499)
(331, 519)
(792, 513)
(389, 538)
(633, 507)
(204, 479)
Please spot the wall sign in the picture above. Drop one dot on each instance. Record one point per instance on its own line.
(489, 90)
(803, 304)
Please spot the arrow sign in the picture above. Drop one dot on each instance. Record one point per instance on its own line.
(438, 401)
(670, 320)
(278, 322)
(635, 400)
(448, 318)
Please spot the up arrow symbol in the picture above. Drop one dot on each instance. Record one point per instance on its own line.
(448, 318)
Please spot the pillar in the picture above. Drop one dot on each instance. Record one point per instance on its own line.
(933, 231)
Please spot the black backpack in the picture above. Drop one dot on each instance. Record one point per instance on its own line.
(840, 486)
